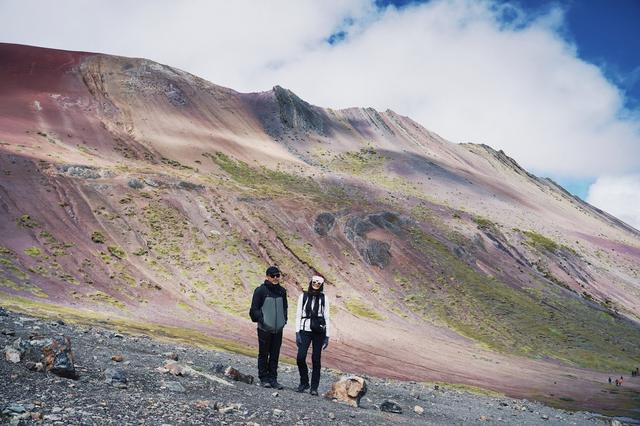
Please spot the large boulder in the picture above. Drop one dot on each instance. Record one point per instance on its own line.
(377, 253)
(324, 223)
(58, 357)
(349, 390)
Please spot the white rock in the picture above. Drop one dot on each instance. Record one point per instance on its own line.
(12, 355)
(418, 409)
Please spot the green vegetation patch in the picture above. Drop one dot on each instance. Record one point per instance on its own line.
(544, 321)
(117, 252)
(97, 237)
(33, 251)
(541, 242)
(359, 309)
(104, 298)
(276, 182)
(25, 221)
(366, 160)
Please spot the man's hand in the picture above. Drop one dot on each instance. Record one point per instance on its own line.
(298, 339)
(326, 342)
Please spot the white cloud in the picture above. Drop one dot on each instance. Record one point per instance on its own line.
(618, 195)
(458, 67)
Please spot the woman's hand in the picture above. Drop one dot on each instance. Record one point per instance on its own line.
(298, 339)
(325, 343)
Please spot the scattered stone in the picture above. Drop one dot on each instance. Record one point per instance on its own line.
(225, 409)
(418, 410)
(174, 368)
(11, 354)
(170, 355)
(135, 183)
(349, 389)
(391, 407)
(202, 404)
(545, 417)
(332, 416)
(218, 368)
(615, 422)
(277, 412)
(117, 358)
(36, 416)
(175, 386)
(13, 409)
(324, 223)
(116, 377)
(275, 394)
(58, 358)
(234, 374)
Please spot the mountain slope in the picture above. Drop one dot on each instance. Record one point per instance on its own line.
(139, 194)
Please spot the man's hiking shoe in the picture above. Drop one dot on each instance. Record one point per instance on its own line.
(266, 384)
(314, 392)
(302, 388)
(276, 385)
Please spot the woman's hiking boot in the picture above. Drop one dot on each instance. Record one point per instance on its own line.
(265, 384)
(276, 385)
(302, 387)
(314, 392)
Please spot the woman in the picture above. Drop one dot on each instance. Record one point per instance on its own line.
(312, 328)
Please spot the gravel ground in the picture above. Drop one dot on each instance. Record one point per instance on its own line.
(155, 398)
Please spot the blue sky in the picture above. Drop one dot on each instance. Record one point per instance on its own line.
(556, 85)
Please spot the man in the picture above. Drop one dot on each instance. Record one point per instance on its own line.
(269, 310)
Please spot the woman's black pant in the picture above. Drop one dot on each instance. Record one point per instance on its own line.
(316, 340)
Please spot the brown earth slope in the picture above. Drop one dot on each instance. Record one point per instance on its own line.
(137, 194)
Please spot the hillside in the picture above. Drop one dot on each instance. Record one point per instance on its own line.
(138, 195)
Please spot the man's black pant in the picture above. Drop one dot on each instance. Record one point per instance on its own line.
(268, 354)
(315, 339)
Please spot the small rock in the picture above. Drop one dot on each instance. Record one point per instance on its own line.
(236, 375)
(11, 354)
(391, 407)
(175, 386)
(225, 409)
(117, 358)
(56, 410)
(332, 416)
(418, 409)
(275, 394)
(218, 368)
(170, 355)
(116, 377)
(36, 416)
(201, 404)
(277, 412)
(13, 409)
(175, 369)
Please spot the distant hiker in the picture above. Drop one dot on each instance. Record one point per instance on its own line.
(617, 382)
(621, 380)
(609, 380)
(312, 328)
(269, 310)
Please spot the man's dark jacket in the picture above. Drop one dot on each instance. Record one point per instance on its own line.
(269, 307)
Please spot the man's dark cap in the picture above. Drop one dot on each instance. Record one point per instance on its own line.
(272, 270)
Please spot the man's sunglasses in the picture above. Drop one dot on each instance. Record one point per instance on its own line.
(275, 276)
